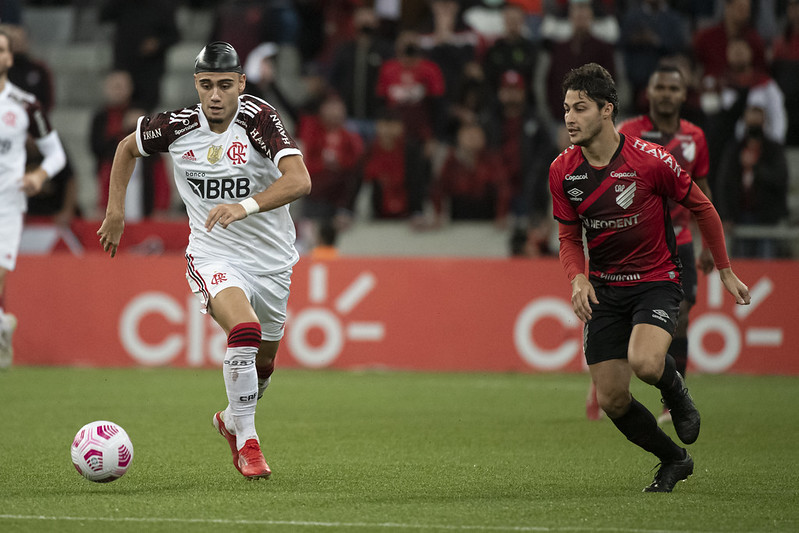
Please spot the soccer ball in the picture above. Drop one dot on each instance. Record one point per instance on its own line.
(102, 451)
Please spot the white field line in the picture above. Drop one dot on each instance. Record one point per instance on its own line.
(301, 523)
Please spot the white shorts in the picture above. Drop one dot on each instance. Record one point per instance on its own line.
(268, 293)
(10, 237)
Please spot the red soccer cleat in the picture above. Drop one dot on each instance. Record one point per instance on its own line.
(219, 424)
(252, 464)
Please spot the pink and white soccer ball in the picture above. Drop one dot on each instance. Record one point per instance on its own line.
(102, 451)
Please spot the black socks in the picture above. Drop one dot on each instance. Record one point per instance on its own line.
(669, 377)
(641, 428)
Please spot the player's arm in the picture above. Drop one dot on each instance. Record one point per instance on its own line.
(713, 235)
(53, 162)
(294, 183)
(705, 260)
(110, 231)
(572, 259)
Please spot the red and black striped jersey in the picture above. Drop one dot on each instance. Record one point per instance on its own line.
(623, 208)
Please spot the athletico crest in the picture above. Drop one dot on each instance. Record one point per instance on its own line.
(215, 154)
(625, 195)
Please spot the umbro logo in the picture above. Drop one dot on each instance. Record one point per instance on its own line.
(660, 314)
(189, 156)
(575, 195)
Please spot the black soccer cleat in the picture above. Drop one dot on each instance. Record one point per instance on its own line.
(684, 414)
(670, 473)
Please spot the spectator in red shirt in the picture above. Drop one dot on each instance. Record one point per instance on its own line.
(332, 154)
(473, 181)
(710, 44)
(386, 167)
(414, 86)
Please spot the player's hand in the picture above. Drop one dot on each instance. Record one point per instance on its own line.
(583, 295)
(224, 215)
(735, 286)
(705, 261)
(110, 233)
(32, 182)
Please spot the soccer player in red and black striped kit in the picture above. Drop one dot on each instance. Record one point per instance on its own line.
(617, 188)
(684, 140)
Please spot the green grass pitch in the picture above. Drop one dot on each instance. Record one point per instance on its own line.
(390, 451)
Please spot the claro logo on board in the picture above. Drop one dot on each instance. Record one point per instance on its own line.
(202, 340)
(156, 328)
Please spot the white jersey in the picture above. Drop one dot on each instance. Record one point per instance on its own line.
(20, 115)
(211, 169)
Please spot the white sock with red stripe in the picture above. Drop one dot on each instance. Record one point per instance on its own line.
(241, 380)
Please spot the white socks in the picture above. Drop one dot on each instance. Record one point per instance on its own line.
(241, 381)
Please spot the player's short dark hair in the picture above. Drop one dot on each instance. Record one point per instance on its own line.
(597, 84)
(665, 68)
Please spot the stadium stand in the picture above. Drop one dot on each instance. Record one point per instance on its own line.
(70, 38)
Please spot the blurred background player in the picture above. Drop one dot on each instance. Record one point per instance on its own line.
(21, 116)
(241, 247)
(616, 186)
(666, 93)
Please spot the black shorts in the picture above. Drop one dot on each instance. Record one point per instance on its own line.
(688, 277)
(607, 335)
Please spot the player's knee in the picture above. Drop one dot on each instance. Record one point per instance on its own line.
(614, 402)
(646, 368)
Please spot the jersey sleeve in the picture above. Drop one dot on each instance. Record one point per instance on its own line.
(562, 210)
(157, 132)
(266, 130)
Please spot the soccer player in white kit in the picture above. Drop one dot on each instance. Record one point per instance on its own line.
(236, 169)
(21, 116)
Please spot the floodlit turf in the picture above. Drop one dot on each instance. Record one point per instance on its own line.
(388, 452)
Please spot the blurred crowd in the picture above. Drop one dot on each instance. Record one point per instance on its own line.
(431, 111)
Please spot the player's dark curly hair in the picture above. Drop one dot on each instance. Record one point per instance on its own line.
(597, 84)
